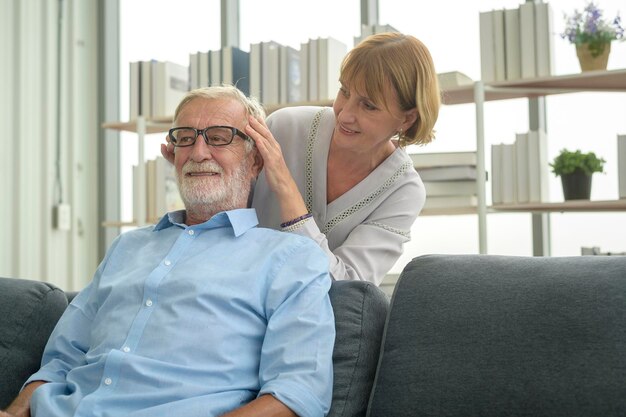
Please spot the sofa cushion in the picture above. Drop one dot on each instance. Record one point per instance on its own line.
(29, 311)
(360, 311)
(486, 335)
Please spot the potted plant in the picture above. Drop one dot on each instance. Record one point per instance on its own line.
(576, 169)
(592, 35)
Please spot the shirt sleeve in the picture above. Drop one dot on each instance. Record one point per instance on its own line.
(372, 248)
(296, 358)
(69, 342)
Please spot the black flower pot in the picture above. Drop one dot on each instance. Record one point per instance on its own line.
(576, 186)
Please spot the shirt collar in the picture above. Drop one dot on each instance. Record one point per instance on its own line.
(241, 220)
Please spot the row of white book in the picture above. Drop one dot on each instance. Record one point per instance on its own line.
(516, 43)
(449, 178)
(272, 72)
(520, 170)
(161, 190)
(156, 88)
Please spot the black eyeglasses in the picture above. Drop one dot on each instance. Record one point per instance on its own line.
(213, 135)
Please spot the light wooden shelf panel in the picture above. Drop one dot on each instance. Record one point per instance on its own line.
(591, 81)
(556, 207)
(566, 206)
(152, 126)
(163, 124)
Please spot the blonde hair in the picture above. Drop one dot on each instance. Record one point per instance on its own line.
(404, 63)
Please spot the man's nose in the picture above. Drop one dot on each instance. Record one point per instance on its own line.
(200, 150)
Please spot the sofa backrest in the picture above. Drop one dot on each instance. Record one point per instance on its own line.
(486, 335)
(360, 312)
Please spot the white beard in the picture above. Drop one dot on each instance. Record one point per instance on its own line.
(206, 198)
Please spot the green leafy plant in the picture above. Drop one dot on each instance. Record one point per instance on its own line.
(569, 161)
(589, 27)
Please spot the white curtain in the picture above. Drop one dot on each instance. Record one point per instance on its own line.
(48, 157)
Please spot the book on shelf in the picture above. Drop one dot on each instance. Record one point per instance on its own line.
(236, 68)
(544, 40)
(215, 64)
(538, 168)
(509, 172)
(453, 79)
(145, 98)
(289, 74)
(204, 69)
(521, 165)
(170, 83)
(270, 72)
(497, 16)
(330, 55)
(496, 173)
(487, 47)
(255, 70)
(621, 164)
(437, 159)
(527, 39)
(304, 71)
(441, 188)
(512, 44)
(194, 71)
(448, 173)
(449, 201)
(313, 69)
(150, 194)
(134, 83)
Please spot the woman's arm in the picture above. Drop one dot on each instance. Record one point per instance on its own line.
(277, 173)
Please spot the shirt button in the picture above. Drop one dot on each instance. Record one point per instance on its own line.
(108, 381)
(149, 302)
(126, 349)
(167, 263)
(191, 232)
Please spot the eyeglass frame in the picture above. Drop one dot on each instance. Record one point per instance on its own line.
(234, 130)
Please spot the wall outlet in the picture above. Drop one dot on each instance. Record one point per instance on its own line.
(62, 217)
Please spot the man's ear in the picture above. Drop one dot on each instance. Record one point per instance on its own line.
(257, 164)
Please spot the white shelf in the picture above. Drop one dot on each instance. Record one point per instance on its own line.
(590, 81)
(479, 93)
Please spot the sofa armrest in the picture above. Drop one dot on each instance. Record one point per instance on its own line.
(29, 311)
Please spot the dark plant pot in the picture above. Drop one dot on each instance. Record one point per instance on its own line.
(576, 186)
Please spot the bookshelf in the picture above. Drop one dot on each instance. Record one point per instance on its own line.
(480, 92)
(477, 93)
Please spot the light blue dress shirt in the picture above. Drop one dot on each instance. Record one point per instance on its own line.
(194, 321)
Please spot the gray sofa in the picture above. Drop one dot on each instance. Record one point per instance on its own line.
(464, 335)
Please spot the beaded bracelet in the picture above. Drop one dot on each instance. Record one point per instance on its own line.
(294, 226)
(296, 220)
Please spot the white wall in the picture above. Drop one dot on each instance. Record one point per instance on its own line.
(29, 245)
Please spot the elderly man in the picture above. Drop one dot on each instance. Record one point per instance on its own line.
(204, 314)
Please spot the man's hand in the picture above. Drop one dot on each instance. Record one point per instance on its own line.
(20, 407)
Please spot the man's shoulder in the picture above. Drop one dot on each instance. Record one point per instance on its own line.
(285, 241)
